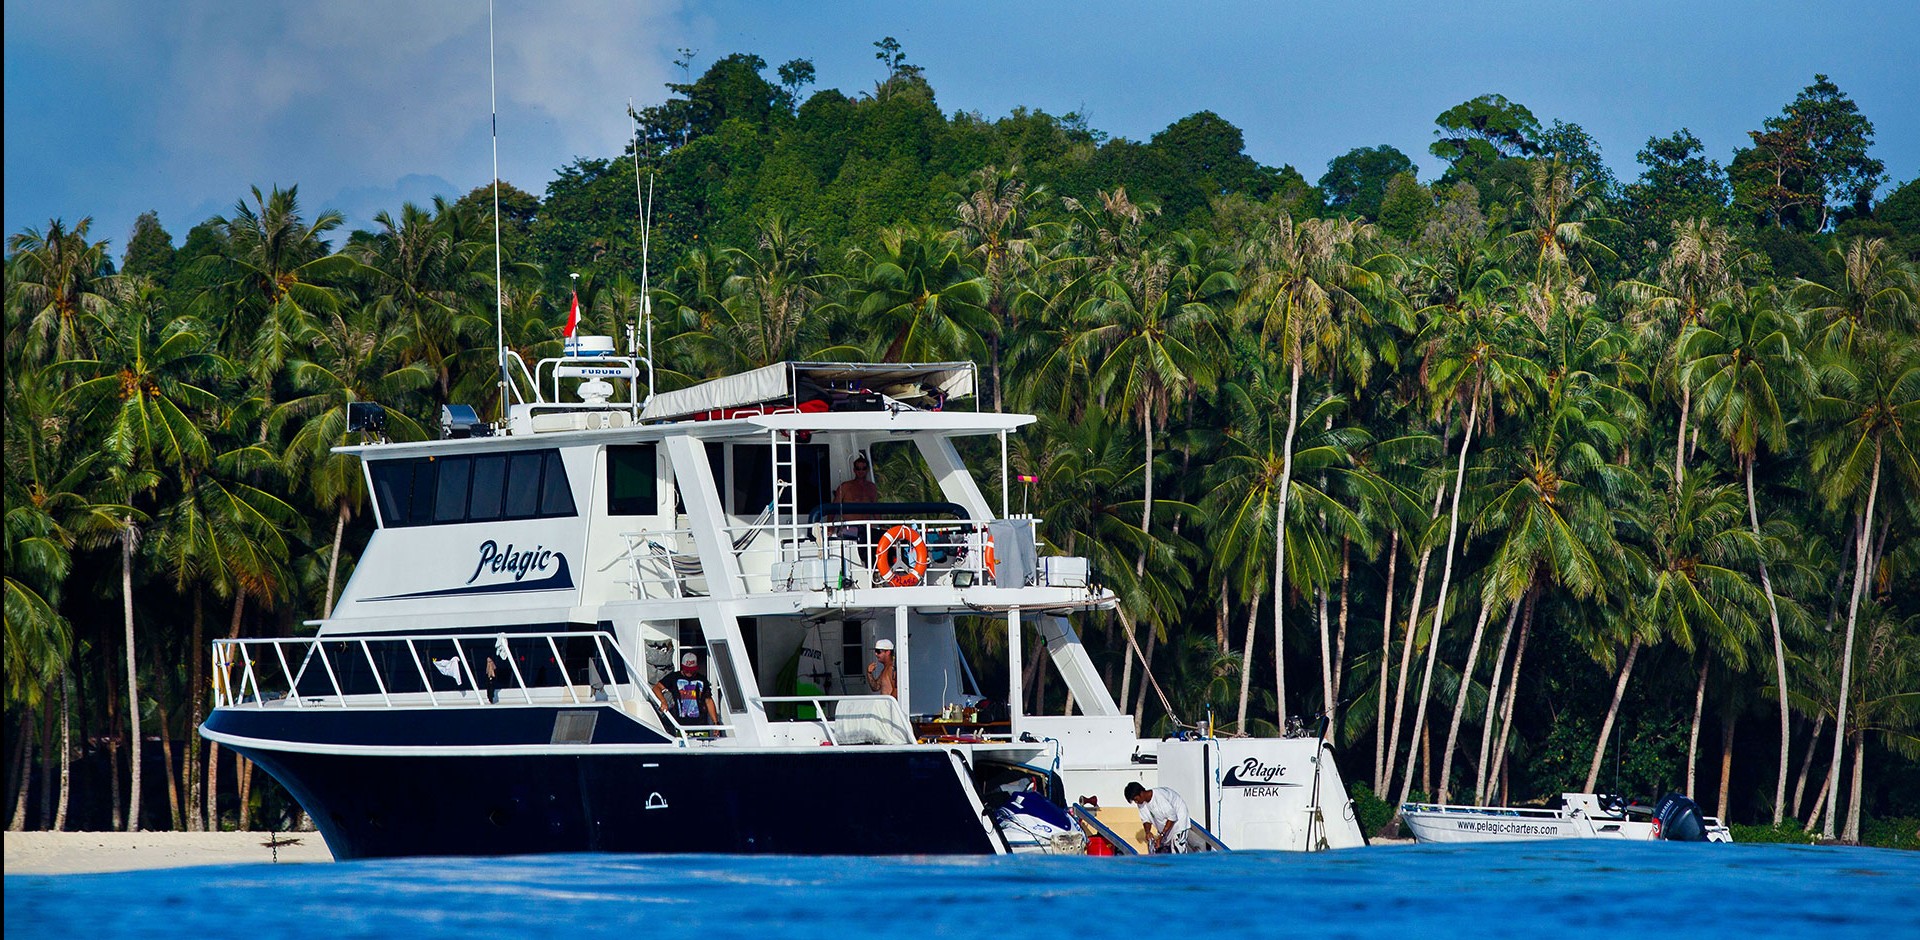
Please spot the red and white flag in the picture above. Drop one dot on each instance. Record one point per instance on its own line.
(573, 316)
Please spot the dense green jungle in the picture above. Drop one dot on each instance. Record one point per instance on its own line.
(1550, 479)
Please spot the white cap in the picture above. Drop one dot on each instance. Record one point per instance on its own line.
(689, 658)
(882, 645)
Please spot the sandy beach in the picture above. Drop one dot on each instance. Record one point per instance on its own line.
(67, 853)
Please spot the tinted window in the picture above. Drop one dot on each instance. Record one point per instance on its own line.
(449, 490)
(556, 497)
(633, 485)
(816, 482)
(392, 482)
(717, 462)
(489, 482)
(752, 479)
(450, 503)
(420, 505)
(523, 486)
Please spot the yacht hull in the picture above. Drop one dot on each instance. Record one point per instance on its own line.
(825, 801)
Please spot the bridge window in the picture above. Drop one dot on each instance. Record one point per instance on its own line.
(477, 488)
(633, 480)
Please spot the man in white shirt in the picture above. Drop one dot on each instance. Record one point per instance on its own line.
(1165, 814)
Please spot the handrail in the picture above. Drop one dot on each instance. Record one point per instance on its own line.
(1519, 811)
(896, 714)
(381, 685)
(1120, 844)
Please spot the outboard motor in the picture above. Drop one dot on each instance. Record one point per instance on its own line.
(1030, 820)
(1677, 819)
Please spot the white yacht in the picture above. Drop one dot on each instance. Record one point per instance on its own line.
(486, 682)
(1577, 816)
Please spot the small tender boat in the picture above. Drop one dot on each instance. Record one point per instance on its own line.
(1578, 816)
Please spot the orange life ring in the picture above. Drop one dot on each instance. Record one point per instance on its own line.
(898, 572)
(988, 559)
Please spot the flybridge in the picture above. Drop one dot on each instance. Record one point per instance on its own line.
(819, 386)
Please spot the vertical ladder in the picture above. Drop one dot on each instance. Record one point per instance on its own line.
(786, 499)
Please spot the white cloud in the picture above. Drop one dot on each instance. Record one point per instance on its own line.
(355, 94)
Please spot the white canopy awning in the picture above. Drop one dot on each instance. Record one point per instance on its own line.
(790, 383)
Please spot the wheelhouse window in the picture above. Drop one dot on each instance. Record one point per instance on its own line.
(633, 480)
(472, 488)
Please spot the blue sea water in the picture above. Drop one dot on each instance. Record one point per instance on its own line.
(1560, 889)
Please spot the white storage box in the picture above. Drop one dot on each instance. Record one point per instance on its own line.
(1061, 571)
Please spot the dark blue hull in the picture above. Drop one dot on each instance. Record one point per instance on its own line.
(813, 801)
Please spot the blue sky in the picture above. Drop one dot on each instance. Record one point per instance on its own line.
(113, 107)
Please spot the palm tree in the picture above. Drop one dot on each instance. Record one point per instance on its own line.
(142, 392)
(1550, 511)
(1702, 268)
(356, 358)
(1301, 278)
(1553, 221)
(994, 222)
(917, 298)
(271, 277)
(1746, 358)
(768, 304)
(423, 263)
(1477, 350)
(1876, 291)
(1698, 555)
(56, 280)
(1871, 402)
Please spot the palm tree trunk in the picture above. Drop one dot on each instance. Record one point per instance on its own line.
(1280, 542)
(1406, 650)
(1326, 651)
(1492, 708)
(23, 752)
(46, 768)
(213, 749)
(1146, 665)
(133, 678)
(243, 770)
(1779, 657)
(1846, 658)
(166, 755)
(1446, 576)
(66, 752)
(1680, 440)
(1693, 736)
(1806, 765)
(1460, 697)
(113, 752)
(333, 561)
(1386, 648)
(1220, 618)
(1820, 802)
(1340, 635)
(1726, 761)
(1852, 832)
(1246, 663)
(1613, 711)
(1513, 691)
(190, 761)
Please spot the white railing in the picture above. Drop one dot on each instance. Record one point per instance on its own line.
(1518, 811)
(849, 719)
(429, 670)
(836, 555)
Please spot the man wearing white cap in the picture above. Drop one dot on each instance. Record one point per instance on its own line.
(686, 694)
(880, 674)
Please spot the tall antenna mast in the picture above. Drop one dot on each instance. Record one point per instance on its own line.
(499, 288)
(645, 208)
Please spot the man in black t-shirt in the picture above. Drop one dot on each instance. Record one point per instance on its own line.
(686, 695)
